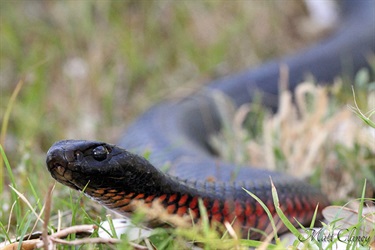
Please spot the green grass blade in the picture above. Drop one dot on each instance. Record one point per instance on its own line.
(280, 213)
(269, 214)
(13, 181)
(111, 226)
(4, 126)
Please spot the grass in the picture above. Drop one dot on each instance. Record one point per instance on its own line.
(86, 69)
(320, 136)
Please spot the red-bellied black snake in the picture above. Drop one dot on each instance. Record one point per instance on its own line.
(177, 132)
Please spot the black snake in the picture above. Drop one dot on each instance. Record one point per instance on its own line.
(177, 132)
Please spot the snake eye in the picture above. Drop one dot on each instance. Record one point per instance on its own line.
(100, 153)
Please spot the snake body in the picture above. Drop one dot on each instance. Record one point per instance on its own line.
(177, 132)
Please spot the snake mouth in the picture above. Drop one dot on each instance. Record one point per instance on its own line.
(63, 175)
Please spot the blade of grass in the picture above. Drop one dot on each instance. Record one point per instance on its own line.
(257, 243)
(361, 219)
(20, 195)
(75, 209)
(362, 202)
(204, 217)
(7, 165)
(5, 232)
(280, 213)
(358, 112)
(4, 127)
(24, 226)
(47, 215)
(111, 226)
(299, 235)
(268, 212)
(35, 194)
(13, 181)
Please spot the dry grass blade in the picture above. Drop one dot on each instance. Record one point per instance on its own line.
(49, 241)
(47, 215)
(28, 204)
(25, 245)
(358, 112)
(86, 241)
(346, 217)
(311, 137)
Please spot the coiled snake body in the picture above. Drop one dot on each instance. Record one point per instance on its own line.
(177, 132)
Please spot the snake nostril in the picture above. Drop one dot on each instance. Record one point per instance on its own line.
(78, 155)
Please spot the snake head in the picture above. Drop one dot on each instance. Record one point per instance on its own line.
(92, 165)
(77, 163)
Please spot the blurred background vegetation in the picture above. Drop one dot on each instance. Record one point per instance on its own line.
(89, 68)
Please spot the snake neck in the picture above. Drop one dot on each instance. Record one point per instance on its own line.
(138, 181)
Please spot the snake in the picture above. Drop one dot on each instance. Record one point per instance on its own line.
(177, 132)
